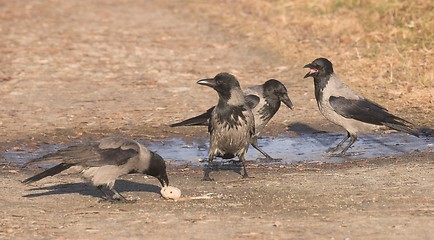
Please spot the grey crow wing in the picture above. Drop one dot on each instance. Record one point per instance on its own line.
(369, 112)
(252, 100)
(110, 151)
(116, 151)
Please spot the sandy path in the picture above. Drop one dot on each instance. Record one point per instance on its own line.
(73, 70)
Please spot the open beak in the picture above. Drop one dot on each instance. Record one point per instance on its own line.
(210, 82)
(312, 71)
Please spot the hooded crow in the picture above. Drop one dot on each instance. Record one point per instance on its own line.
(104, 162)
(231, 125)
(344, 107)
(264, 101)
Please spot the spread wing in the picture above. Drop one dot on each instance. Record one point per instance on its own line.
(201, 119)
(252, 100)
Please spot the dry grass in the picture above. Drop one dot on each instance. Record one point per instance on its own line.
(384, 48)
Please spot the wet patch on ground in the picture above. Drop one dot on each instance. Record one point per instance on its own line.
(305, 148)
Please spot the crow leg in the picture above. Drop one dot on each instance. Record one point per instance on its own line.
(106, 196)
(243, 160)
(207, 170)
(353, 139)
(117, 195)
(330, 150)
(254, 143)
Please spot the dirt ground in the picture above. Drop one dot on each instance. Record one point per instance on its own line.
(75, 71)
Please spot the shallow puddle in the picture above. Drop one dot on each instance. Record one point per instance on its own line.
(306, 148)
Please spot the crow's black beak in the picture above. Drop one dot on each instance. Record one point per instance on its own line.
(310, 65)
(164, 180)
(313, 70)
(285, 99)
(210, 82)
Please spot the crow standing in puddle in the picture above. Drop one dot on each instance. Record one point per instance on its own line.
(104, 162)
(344, 107)
(231, 125)
(264, 101)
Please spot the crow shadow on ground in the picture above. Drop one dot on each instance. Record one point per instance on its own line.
(302, 129)
(225, 165)
(371, 140)
(89, 190)
(394, 146)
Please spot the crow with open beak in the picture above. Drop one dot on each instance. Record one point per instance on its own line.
(342, 106)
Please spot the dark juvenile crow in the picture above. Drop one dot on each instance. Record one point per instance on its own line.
(264, 100)
(344, 107)
(231, 124)
(104, 162)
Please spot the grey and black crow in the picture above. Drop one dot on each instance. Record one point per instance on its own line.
(344, 107)
(104, 162)
(231, 125)
(264, 101)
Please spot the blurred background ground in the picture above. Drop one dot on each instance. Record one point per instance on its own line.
(112, 65)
